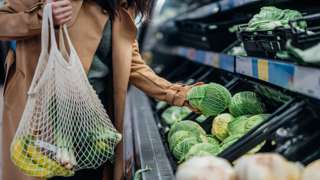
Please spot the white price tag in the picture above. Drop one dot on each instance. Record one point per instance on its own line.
(307, 81)
(244, 66)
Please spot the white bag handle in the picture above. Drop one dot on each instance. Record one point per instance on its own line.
(48, 31)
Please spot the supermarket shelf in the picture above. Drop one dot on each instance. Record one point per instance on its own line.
(217, 60)
(301, 79)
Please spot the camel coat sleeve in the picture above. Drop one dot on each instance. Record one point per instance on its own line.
(19, 24)
(145, 79)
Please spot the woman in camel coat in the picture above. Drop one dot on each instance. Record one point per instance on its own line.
(20, 20)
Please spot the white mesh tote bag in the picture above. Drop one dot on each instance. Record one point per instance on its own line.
(64, 127)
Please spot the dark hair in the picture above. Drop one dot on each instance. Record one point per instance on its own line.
(142, 7)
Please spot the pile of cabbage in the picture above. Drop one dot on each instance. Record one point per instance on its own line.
(233, 117)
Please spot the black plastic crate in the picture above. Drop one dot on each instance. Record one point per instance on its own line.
(266, 44)
(199, 34)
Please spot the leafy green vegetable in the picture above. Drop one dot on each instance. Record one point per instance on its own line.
(175, 114)
(255, 120)
(229, 141)
(182, 147)
(213, 140)
(203, 149)
(270, 18)
(220, 125)
(211, 99)
(187, 125)
(177, 137)
(244, 103)
(237, 126)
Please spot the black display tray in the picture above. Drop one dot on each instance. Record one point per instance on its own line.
(267, 44)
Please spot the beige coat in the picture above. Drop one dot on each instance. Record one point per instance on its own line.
(21, 20)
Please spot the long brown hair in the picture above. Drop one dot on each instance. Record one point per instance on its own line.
(142, 7)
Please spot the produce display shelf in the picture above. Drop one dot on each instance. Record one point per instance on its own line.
(297, 78)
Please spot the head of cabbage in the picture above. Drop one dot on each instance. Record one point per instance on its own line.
(220, 126)
(245, 103)
(187, 125)
(237, 125)
(203, 149)
(211, 99)
(175, 114)
(213, 139)
(183, 146)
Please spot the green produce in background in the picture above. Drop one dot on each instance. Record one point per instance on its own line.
(220, 126)
(270, 18)
(311, 55)
(211, 99)
(187, 125)
(182, 147)
(203, 149)
(237, 125)
(175, 114)
(245, 103)
(213, 140)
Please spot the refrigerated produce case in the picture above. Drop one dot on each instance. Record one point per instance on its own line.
(187, 54)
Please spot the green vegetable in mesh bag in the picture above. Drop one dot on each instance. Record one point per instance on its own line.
(237, 125)
(220, 126)
(187, 125)
(161, 104)
(213, 140)
(175, 114)
(211, 99)
(182, 147)
(255, 120)
(203, 149)
(244, 103)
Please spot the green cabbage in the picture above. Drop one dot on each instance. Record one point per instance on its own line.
(211, 99)
(177, 137)
(182, 147)
(175, 114)
(213, 140)
(187, 125)
(244, 103)
(237, 126)
(203, 149)
(220, 126)
(255, 120)
(229, 141)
